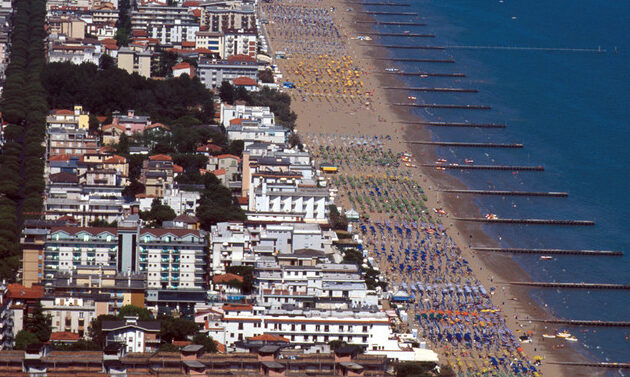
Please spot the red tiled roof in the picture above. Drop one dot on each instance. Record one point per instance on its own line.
(181, 343)
(111, 41)
(101, 119)
(64, 335)
(244, 81)
(209, 148)
(59, 157)
(19, 291)
(190, 3)
(177, 169)
(160, 157)
(237, 307)
(63, 112)
(222, 156)
(188, 44)
(139, 33)
(242, 200)
(269, 338)
(196, 12)
(182, 65)
(220, 347)
(236, 121)
(226, 278)
(218, 172)
(157, 125)
(203, 171)
(106, 149)
(115, 159)
(241, 58)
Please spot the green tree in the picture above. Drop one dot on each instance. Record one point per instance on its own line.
(176, 328)
(337, 220)
(94, 124)
(158, 213)
(143, 314)
(216, 204)
(168, 347)
(95, 330)
(226, 92)
(206, 341)
(38, 323)
(23, 338)
(247, 273)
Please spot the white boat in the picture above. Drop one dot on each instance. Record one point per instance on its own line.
(469, 161)
(491, 216)
(411, 97)
(391, 69)
(545, 257)
(563, 334)
(548, 336)
(572, 339)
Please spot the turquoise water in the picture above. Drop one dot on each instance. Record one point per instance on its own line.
(572, 112)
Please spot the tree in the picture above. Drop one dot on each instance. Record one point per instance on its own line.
(23, 338)
(38, 323)
(226, 92)
(247, 273)
(266, 76)
(176, 328)
(337, 220)
(95, 330)
(143, 314)
(206, 341)
(216, 204)
(158, 213)
(134, 188)
(94, 124)
(168, 347)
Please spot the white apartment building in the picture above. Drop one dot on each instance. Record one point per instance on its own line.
(307, 328)
(302, 280)
(174, 259)
(173, 33)
(281, 192)
(181, 201)
(262, 114)
(230, 245)
(74, 313)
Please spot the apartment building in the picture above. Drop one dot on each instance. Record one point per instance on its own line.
(306, 328)
(228, 15)
(172, 258)
(120, 288)
(134, 61)
(74, 312)
(212, 72)
(262, 114)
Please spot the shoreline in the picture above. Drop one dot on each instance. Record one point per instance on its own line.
(501, 266)
(486, 267)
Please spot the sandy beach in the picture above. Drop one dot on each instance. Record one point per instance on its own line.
(354, 103)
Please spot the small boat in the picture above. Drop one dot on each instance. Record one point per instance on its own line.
(546, 257)
(469, 161)
(491, 216)
(563, 334)
(411, 97)
(424, 76)
(391, 69)
(441, 160)
(572, 339)
(548, 336)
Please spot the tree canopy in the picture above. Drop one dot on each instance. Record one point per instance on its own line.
(109, 89)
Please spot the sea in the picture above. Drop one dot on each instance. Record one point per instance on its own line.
(557, 73)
